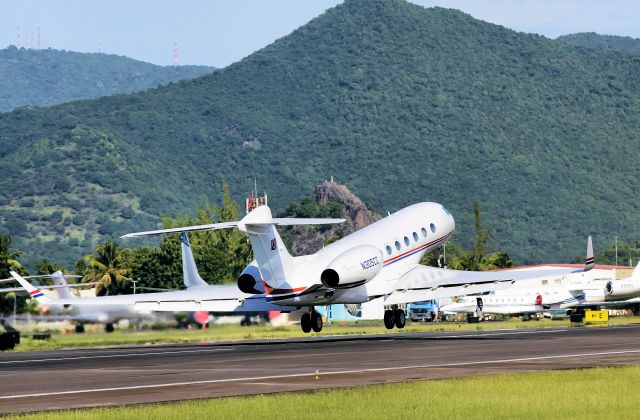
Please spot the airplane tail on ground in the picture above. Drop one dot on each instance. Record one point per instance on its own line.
(635, 274)
(590, 261)
(274, 260)
(58, 280)
(33, 292)
(189, 269)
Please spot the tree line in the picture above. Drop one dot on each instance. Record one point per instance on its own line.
(220, 256)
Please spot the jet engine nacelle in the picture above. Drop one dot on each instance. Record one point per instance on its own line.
(250, 280)
(622, 288)
(353, 267)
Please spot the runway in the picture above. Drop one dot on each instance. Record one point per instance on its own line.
(48, 380)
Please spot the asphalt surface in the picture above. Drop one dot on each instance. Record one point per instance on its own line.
(49, 380)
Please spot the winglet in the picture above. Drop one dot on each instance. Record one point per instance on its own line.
(33, 292)
(590, 261)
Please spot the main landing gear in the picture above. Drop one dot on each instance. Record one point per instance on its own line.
(394, 318)
(311, 321)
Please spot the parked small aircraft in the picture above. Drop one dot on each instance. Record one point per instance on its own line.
(526, 300)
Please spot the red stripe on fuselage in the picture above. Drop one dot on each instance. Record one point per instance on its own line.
(414, 250)
(268, 290)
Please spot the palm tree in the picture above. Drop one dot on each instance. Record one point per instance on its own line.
(107, 267)
(8, 259)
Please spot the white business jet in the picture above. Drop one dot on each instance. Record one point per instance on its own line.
(525, 299)
(380, 260)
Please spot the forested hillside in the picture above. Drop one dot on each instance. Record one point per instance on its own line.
(401, 103)
(623, 44)
(48, 77)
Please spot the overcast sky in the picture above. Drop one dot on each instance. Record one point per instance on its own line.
(217, 32)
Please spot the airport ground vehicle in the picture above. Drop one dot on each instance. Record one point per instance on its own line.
(426, 310)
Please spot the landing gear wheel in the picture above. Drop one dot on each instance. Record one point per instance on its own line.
(109, 327)
(316, 321)
(79, 328)
(305, 322)
(389, 322)
(400, 318)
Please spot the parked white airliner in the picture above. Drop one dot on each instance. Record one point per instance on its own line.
(381, 259)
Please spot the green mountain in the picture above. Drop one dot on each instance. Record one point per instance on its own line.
(401, 103)
(49, 77)
(623, 44)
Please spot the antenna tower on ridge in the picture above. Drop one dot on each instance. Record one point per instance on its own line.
(176, 56)
(254, 200)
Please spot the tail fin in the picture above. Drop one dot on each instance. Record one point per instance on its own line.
(635, 274)
(33, 292)
(58, 280)
(590, 261)
(274, 261)
(189, 269)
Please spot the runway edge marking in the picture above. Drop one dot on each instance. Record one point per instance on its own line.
(108, 356)
(298, 375)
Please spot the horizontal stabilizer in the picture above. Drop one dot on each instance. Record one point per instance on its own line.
(212, 226)
(255, 218)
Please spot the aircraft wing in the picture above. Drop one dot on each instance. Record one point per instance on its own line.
(210, 299)
(219, 298)
(611, 304)
(420, 282)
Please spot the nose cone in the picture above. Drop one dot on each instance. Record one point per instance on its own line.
(449, 221)
(452, 223)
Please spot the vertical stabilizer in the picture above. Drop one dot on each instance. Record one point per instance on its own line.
(590, 261)
(635, 275)
(34, 292)
(189, 270)
(63, 292)
(273, 258)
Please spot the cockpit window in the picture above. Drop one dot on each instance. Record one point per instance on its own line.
(446, 211)
(433, 227)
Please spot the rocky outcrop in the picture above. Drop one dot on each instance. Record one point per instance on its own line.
(358, 213)
(308, 239)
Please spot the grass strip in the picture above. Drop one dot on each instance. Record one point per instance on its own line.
(600, 393)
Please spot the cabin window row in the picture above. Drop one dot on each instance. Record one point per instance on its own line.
(407, 242)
